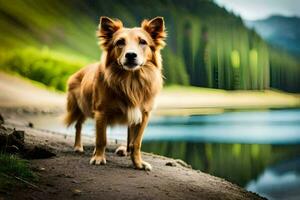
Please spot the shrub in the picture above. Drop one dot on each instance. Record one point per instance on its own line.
(45, 66)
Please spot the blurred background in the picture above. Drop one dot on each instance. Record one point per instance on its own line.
(230, 106)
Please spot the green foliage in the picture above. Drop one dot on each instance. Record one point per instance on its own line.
(175, 73)
(207, 46)
(235, 59)
(284, 71)
(45, 66)
(11, 166)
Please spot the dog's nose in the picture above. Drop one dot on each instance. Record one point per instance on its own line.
(130, 56)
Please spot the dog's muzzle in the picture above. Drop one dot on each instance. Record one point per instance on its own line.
(131, 60)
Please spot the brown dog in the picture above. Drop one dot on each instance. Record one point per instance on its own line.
(121, 88)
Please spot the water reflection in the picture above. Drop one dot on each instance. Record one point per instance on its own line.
(238, 163)
(281, 181)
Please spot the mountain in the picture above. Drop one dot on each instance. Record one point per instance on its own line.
(280, 31)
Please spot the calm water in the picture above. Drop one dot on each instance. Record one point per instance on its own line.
(258, 150)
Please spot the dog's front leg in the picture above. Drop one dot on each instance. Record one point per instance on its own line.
(136, 156)
(99, 152)
(131, 134)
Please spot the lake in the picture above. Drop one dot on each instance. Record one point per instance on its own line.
(258, 150)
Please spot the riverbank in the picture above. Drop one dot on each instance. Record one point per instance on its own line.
(193, 100)
(17, 92)
(69, 175)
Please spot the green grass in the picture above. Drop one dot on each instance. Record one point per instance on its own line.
(12, 166)
(42, 65)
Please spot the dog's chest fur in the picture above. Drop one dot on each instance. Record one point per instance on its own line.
(127, 95)
(134, 116)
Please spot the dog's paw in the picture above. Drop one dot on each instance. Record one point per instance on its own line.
(98, 160)
(121, 151)
(143, 166)
(78, 149)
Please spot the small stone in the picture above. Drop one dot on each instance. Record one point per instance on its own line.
(182, 163)
(74, 181)
(171, 164)
(1, 119)
(68, 176)
(30, 124)
(19, 135)
(11, 139)
(50, 184)
(39, 152)
(41, 169)
(76, 192)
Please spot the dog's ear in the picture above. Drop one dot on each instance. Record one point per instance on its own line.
(156, 28)
(107, 28)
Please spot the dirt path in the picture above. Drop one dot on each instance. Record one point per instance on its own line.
(70, 176)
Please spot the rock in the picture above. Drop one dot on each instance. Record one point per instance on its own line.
(74, 181)
(182, 163)
(39, 169)
(68, 176)
(12, 149)
(11, 140)
(1, 119)
(76, 192)
(38, 152)
(42, 169)
(50, 184)
(3, 137)
(20, 135)
(172, 164)
(178, 161)
(30, 124)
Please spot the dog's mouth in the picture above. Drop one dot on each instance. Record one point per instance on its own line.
(132, 65)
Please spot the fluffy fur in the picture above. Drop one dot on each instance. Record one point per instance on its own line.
(110, 92)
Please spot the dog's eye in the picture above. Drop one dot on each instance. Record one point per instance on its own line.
(120, 42)
(143, 42)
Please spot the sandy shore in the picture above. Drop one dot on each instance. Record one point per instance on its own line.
(20, 93)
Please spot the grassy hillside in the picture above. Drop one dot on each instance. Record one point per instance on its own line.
(207, 46)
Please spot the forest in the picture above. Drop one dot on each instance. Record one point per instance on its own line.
(207, 46)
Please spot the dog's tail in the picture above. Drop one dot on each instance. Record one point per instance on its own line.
(73, 111)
